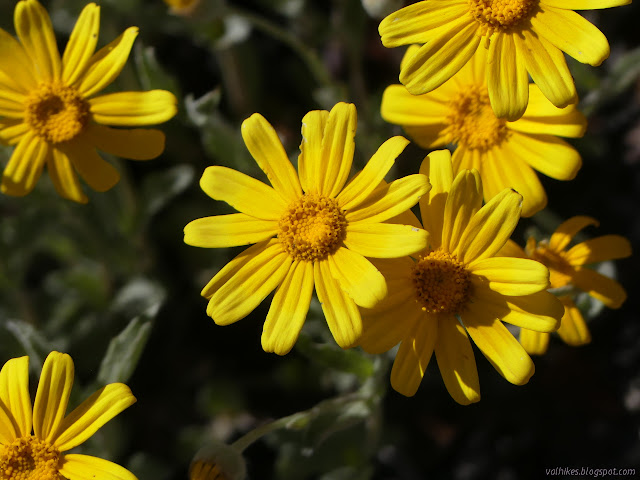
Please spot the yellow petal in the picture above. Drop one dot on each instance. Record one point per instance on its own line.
(134, 144)
(357, 277)
(93, 413)
(107, 63)
(25, 166)
(600, 249)
(428, 136)
(572, 34)
(16, 70)
(338, 145)
(585, 4)
(438, 168)
(249, 285)
(573, 329)
(35, 32)
(498, 345)
(228, 231)
(463, 202)
(14, 394)
(97, 172)
(310, 161)
(64, 177)
(412, 24)
(457, 362)
(85, 467)
(401, 108)
(81, 45)
(133, 109)
(413, 357)
(548, 154)
(12, 131)
(12, 105)
(512, 249)
(288, 309)
(52, 395)
(441, 58)
(507, 78)
(568, 229)
(547, 67)
(242, 192)
(265, 147)
(543, 117)
(534, 343)
(490, 228)
(390, 200)
(384, 240)
(605, 289)
(359, 188)
(341, 313)
(510, 276)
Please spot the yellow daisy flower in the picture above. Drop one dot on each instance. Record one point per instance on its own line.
(505, 153)
(24, 455)
(49, 110)
(309, 229)
(457, 288)
(568, 268)
(522, 37)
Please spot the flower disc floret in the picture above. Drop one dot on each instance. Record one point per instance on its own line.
(442, 283)
(56, 112)
(472, 122)
(313, 227)
(29, 458)
(501, 14)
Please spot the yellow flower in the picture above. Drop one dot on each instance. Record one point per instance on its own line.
(182, 7)
(323, 228)
(568, 269)
(457, 289)
(49, 110)
(505, 153)
(521, 36)
(24, 455)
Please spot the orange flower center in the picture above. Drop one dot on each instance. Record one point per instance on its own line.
(503, 15)
(56, 112)
(442, 283)
(560, 271)
(29, 458)
(313, 227)
(471, 121)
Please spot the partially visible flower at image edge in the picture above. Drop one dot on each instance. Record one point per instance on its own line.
(568, 267)
(49, 111)
(523, 37)
(457, 290)
(505, 153)
(39, 455)
(309, 229)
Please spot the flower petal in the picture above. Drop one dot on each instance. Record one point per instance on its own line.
(463, 202)
(428, 136)
(266, 148)
(384, 240)
(35, 32)
(510, 276)
(401, 108)
(14, 394)
(341, 313)
(25, 166)
(52, 395)
(569, 229)
(338, 145)
(133, 109)
(93, 413)
(12, 131)
(600, 249)
(413, 356)
(359, 188)
(82, 43)
(605, 289)
(97, 172)
(490, 228)
(507, 78)
(441, 58)
(12, 104)
(310, 161)
(438, 168)
(288, 309)
(106, 64)
(64, 178)
(534, 343)
(572, 34)
(85, 467)
(357, 277)
(134, 144)
(249, 285)
(573, 329)
(584, 4)
(498, 345)
(390, 200)
(242, 192)
(16, 70)
(457, 362)
(228, 231)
